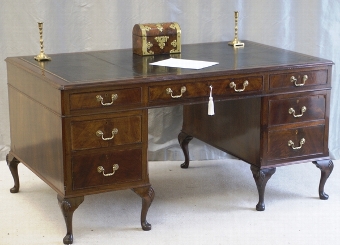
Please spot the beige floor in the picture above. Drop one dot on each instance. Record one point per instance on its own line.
(213, 202)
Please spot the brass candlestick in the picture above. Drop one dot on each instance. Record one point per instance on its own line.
(236, 43)
(42, 56)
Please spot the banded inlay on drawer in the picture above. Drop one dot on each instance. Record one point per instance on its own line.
(299, 109)
(298, 79)
(105, 98)
(94, 170)
(106, 132)
(296, 142)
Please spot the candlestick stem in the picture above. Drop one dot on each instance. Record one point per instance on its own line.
(236, 43)
(41, 56)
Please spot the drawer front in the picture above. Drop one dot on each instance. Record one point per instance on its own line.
(238, 85)
(299, 109)
(178, 91)
(105, 99)
(298, 79)
(296, 142)
(221, 87)
(106, 132)
(115, 167)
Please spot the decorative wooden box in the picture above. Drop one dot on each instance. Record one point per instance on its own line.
(156, 38)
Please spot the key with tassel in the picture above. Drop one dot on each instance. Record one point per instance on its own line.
(211, 110)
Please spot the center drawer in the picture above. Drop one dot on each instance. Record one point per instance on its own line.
(220, 86)
(106, 132)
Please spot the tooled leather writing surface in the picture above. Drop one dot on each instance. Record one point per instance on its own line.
(117, 65)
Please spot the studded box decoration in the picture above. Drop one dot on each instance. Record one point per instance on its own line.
(156, 38)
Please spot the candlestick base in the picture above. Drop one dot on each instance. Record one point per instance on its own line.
(42, 57)
(236, 44)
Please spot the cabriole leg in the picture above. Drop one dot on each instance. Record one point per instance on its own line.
(68, 206)
(12, 163)
(326, 167)
(184, 140)
(261, 177)
(147, 194)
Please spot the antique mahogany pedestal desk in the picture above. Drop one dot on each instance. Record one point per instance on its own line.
(80, 121)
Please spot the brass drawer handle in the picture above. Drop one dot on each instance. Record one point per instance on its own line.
(292, 111)
(100, 133)
(169, 91)
(233, 85)
(291, 144)
(101, 169)
(294, 80)
(113, 98)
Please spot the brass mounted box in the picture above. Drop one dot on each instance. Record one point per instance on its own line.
(156, 38)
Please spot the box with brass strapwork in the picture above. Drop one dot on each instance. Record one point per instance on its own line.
(156, 38)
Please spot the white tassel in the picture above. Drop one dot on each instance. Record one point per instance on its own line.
(211, 111)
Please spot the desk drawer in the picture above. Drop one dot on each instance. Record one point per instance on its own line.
(299, 109)
(221, 87)
(106, 132)
(115, 167)
(103, 99)
(238, 85)
(296, 142)
(298, 79)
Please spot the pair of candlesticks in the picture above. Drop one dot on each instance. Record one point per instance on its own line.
(43, 57)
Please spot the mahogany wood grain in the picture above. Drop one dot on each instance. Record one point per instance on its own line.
(235, 127)
(84, 133)
(85, 168)
(279, 107)
(81, 101)
(278, 146)
(284, 79)
(55, 115)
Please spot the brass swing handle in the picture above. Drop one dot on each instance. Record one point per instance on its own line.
(292, 111)
(101, 169)
(100, 133)
(113, 98)
(291, 144)
(233, 85)
(294, 80)
(169, 91)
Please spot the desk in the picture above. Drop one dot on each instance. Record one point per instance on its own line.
(80, 121)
